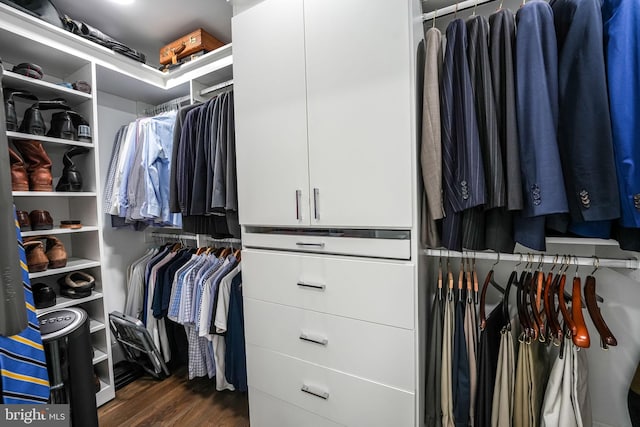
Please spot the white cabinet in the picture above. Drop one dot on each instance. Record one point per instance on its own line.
(271, 116)
(323, 107)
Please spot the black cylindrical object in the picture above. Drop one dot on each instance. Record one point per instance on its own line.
(13, 312)
(67, 345)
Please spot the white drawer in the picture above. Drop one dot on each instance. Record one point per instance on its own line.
(268, 411)
(340, 397)
(391, 248)
(381, 353)
(375, 291)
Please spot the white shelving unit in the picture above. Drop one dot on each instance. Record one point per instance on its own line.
(121, 90)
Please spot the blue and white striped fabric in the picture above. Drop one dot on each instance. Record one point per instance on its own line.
(23, 368)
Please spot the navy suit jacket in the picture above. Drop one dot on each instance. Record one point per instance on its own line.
(584, 128)
(537, 113)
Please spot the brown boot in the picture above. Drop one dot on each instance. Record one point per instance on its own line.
(56, 252)
(19, 178)
(36, 258)
(38, 165)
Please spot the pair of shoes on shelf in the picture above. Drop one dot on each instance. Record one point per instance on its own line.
(43, 295)
(34, 171)
(77, 285)
(35, 220)
(39, 257)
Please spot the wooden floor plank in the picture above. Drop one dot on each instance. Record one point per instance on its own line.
(175, 401)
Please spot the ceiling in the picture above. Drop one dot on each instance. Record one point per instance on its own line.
(147, 25)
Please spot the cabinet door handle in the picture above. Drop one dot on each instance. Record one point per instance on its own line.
(311, 286)
(298, 199)
(316, 203)
(315, 392)
(312, 245)
(317, 340)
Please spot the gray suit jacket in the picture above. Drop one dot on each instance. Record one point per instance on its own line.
(430, 150)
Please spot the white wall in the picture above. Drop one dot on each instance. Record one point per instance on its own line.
(121, 247)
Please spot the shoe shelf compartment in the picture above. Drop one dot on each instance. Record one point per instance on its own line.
(41, 88)
(63, 302)
(55, 231)
(46, 139)
(96, 325)
(99, 356)
(73, 264)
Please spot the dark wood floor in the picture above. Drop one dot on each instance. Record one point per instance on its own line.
(175, 401)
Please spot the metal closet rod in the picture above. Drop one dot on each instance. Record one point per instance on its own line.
(196, 237)
(631, 264)
(453, 8)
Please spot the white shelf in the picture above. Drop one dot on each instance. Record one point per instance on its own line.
(105, 394)
(59, 231)
(99, 356)
(43, 89)
(95, 326)
(47, 139)
(73, 264)
(63, 302)
(53, 194)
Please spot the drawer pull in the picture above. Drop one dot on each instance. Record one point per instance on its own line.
(298, 197)
(317, 393)
(310, 245)
(316, 203)
(318, 340)
(311, 286)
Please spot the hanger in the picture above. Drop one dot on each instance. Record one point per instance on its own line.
(475, 6)
(455, 15)
(535, 292)
(433, 25)
(461, 278)
(553, 312)
(546, 302)
(528, 300)
(469, 276)
(606, 337)
(176, 246)
(524, 323)
(224, 252)
(449, 279)
(440, 278)
(475, 280)
(237, 254)
(483, 294)
(568, 321)
(581, 336)
(513, 278)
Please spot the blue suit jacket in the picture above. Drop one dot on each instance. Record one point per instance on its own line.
(622, 50)
(537, 112)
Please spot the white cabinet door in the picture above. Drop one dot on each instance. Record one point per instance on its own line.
(359, 97)
(270, 114)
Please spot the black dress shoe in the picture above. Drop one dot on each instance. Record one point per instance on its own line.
(71, 179)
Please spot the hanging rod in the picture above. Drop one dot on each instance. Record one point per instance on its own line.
(170, 105)
(452, 9)
(631, 264)
(216, 87)
(175, 236)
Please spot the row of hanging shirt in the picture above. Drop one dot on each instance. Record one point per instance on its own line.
(525, 370)
(190, 300)
(136, 192)
(518, 136)
(204, 181)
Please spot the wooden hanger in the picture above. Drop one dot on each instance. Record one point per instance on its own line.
(461, 279)
(547, 309)
(449, 280)
(440, 279)
(524, 320)
(224, 253)
(199, 251)
(483, 294)
(581, 337)
(534, 304)
(475, 280)
(237, 254)
(469, 276)
(606, 336)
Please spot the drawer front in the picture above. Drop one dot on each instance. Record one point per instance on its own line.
(342, 398)
(376, 352)
(268, 411)
(374, 291)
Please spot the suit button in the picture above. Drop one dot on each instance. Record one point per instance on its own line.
(537, 202)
